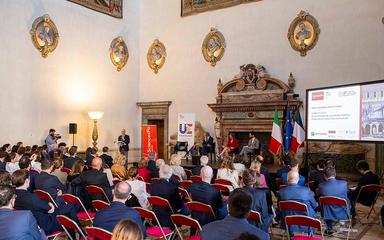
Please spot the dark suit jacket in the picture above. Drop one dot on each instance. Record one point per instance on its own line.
(282, 170)
(335, 188)
(19, 225)
(196, 170)
(2, 165)
(366, 199)
(39, 208)
(205, 193)
(49, 183)
(207, 146)
(153, 169)
(94, 177)
(107, 159)
(32, 177)
(317, 176)
(229, 228)
(88, 159)
(68, 162)
(259, 204)
(169, 191)
(126, 140)
(109, 217)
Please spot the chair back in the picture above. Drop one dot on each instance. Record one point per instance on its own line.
(159, 201)
(222, 188)
(223, 182)
(92, 189)
(188, 173)
(331, 200)
(140, 178)
(150, 215)
(153, 180)
(98, 233)
(180, 220)
(278, 182)
(299, 220)
(99, 204)
(255, 216)
(282, 186)
(293, 206)
(148, 187)
(184, 193)
(177, 177)
(66, 170)
(45, 196)
(196, 178)
(185, 184)
(69, 198)
(68, 223)
(200, 207)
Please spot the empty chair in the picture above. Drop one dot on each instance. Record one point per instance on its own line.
(84, 215)
(93, 189)
(373, 189)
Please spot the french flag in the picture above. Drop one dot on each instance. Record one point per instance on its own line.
(298, 135)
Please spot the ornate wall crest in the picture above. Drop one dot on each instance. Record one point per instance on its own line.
(118, 52)
(303, 33)
(213, 47)
(44, 34)
(156, 55)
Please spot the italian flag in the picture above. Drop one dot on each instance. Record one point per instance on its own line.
(298, 135)
(276, 140)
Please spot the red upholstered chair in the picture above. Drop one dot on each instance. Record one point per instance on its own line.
(224, 182)
(84, 215)
(99, 204)
(67, 223)
(153, 180)
(159, 201)
(180, 220)
(188, 173)
(200, 207)
(282, 186)
(185, 194)
(185, 184)
(66, 170)
(177, 177)
(92, 189)
(148, 187)
(196, 178)
(45, 195)
(255, 216)
(140, 178)
(370, 188)
(299, 220)
(154, 231)
(54, 235)
(293, 205)
(97, 233)
(340, 202)
(224, 189)
(278, 182)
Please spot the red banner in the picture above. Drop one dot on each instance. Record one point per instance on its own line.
(149, 139)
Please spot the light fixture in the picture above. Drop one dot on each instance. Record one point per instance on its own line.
(95, 115)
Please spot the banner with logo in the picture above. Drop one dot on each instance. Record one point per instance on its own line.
(149, 139)
(186, 128)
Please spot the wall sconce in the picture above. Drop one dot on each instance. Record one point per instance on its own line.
(95, 115)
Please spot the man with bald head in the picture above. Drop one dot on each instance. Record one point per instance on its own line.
(205, 193)
(95, 176)
(297, 193)
(108, 218)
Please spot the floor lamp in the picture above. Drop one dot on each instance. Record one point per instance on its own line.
(95, 115)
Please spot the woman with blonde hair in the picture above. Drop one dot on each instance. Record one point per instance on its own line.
(127, 230)
(227, 171)
(58, 164)
(177, 169)
(118, 167)
(260, 178)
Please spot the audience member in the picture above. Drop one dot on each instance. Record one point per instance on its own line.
(36, 161)
(317, 175)
(335, 188)
(203, 162)
(167, 190)
(203, 192)
(16, 224)
(109, 217)
(5, 178)
(20, 152)
(64, 150)
(144, 171)
(3, 157)
(286, 168)
(176, 168)
(138, 187)
(90, 155)
(127, 230)
(57, 166)
(256, 166)
(227, 171)
(25, 163)
(118, 167)
(152, 165)
(107, 159)
(13, 165)
(68, 162)
(294, 165)
(76, 170)
(6, 148)
(239, 206)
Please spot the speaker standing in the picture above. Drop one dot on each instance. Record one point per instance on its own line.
(123, 141)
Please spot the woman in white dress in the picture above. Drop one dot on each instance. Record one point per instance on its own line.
(177, 169)
(138, 187)
(227, 171)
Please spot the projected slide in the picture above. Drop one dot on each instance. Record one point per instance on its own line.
(346, 113)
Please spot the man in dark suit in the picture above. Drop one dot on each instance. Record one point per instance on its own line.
(89, 158)
(109, 217)
(95, 177)
(205, 193)
(20, 225)
(3, 156)
(69, 161)
(239, 206)
(25, 163)
(107, 159)
(152, 165)
(165, 189)
(208, 145)
(298, 193)
(317, 175)
(124, 140)
(335, 188)
(365, 198)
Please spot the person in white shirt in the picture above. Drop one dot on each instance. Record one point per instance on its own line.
(228, 171)
(138, 187)
(177, 169)
(13, 165)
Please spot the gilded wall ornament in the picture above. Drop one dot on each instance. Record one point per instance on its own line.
(44, 34)
(118, 52)
(213, 47)
(303, 33)
(156, 55)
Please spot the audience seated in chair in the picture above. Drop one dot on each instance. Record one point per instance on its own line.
(13, 164)
(203, 192)
(203, 162)
(107, 159)
(69, 161)
(118, 167)
(57, 166)
(127, 230)
(152, 165)
(256, 166)
(138, 187)
(5, 178)
(25, 163)
(317, 175)
(3, 158)
(17, 224)
(109, 217)
(335, 188)
(259, 197)
(228, 171)
(176, 168)
(239, 206)
(294, 165)
(143, 170)
(169, 191)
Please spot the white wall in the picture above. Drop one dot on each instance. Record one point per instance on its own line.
(38, 94)
(350, 48)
